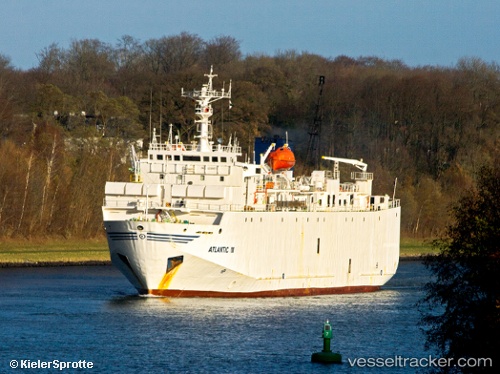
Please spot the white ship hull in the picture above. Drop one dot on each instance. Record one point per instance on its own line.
(196, 221)
(257, 254)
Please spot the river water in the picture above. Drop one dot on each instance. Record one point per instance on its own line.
(81, 316)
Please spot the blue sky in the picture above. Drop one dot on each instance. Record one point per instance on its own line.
(419, 32)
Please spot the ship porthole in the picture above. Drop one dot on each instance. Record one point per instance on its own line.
(381, 272)
(220, 231)
(140, 227)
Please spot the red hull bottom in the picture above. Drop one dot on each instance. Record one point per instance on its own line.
(275, 293)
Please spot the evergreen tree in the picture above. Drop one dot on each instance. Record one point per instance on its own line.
(463, 318)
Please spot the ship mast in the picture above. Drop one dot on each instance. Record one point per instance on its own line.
(203, 109)
(314, 147)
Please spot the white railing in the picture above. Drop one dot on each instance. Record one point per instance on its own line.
(142, 205)
(361, 176)
(394, 203)
(181, 147)
(349, 187)
(127, 204)
(206, 93)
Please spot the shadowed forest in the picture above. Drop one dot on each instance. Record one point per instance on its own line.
(65, 125)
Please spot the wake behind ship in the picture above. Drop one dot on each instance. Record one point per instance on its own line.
(194, 220)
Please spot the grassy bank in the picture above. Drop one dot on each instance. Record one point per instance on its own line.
(53, 250)
(411, 247)
(81, 251)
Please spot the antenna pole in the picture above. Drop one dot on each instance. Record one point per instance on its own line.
(394, 192)
(150, 110)
(161, 111)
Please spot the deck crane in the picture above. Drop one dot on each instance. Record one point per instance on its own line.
(358, 164)
(313, 149)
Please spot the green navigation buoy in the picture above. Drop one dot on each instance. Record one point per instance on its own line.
(326, 356)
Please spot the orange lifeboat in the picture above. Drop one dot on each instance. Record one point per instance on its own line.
(281, 159)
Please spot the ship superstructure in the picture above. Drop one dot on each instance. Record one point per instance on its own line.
(194, 220)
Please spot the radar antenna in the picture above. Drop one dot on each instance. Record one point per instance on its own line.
(203, 109)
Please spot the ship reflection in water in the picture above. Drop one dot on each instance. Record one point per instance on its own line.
(89, 313)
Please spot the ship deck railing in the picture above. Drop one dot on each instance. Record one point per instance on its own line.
(395, 203)
(361, 176)
(283, 207)
(181, 147)
(206, 93)
(349, 187)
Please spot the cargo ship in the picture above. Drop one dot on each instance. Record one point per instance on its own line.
(195, 220)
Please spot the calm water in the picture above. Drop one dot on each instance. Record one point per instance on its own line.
(92, 314)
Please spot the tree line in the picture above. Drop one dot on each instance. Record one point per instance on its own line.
(65, 124)
(460, 313)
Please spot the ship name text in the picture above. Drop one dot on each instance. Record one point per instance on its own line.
(214, 249)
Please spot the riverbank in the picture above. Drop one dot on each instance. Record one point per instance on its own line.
(71, 252)
(53, 252)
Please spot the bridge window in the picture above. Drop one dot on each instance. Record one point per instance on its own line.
(159, 157)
